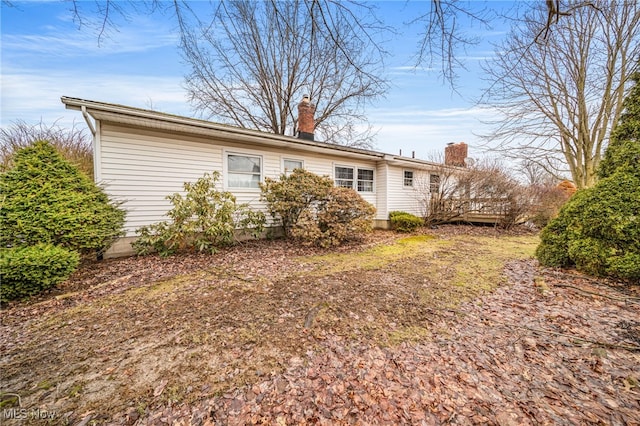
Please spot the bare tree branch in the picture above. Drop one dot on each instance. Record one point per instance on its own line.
(444, 37)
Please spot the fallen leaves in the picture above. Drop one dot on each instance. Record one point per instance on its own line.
(246, 337)
(487, 372)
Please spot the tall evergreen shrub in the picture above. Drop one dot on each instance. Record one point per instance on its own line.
(48, 200)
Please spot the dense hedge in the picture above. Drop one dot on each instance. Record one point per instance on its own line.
(598, 230)
(404, 222)
(27, 271)
(48, 200)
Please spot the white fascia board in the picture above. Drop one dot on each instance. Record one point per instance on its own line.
(158, 120)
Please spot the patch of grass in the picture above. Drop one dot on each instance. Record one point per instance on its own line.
(9, 400)
(376, 257)
(412, 333)
(46, 385)
(75, 390)
(473, 268)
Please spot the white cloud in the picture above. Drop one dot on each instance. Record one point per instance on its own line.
(446, 113)
(32, 95)
(61, 38)
(426, 131)
(77, 44)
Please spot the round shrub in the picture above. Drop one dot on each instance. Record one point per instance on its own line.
(342, 215)
(27, 271)
(404, 222)
(48, 200)
(598, 230)
(291, 195)
(311, 209)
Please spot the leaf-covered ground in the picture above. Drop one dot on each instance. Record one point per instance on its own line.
(460, 326)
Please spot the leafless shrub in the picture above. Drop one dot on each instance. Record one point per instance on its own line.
(73, 144)
(485, 188)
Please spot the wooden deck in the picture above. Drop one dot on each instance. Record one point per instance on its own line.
(478, 210)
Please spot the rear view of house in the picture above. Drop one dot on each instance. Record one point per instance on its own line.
(141, 156)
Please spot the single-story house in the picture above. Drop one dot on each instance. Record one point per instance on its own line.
(141, 156)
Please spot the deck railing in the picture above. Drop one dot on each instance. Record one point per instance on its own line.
(487, 210)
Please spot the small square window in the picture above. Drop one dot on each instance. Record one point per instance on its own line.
(243, 171)
(291, 165)
(408, 178)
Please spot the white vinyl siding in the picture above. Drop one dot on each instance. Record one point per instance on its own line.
(140, 167)
(403, 198)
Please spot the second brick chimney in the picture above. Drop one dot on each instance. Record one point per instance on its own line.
(306, 122)
(455, 153)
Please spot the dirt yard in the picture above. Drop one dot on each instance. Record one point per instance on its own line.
(459, 326)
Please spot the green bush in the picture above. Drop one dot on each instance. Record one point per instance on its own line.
(27, 271)
(48, 200)
(342, 215)
(202, 220)
(598, 230)
(288, 197)
(404, 222)
(554, 249)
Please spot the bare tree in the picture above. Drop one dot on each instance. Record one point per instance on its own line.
(73, 143)
(252, 62)
(559, 97)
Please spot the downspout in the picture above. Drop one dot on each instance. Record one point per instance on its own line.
(96, 144)
(85, 114)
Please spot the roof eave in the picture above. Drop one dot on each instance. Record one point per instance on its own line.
(100, 110)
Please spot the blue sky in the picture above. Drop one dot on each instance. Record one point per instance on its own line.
(45, 56)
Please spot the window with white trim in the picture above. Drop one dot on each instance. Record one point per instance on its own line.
(290, 165)
(354, 178)
(365, 180)
(408, 179)
(244, 171)
(344, 176)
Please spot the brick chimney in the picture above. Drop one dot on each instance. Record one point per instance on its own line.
(455, 153)
(306, 122)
